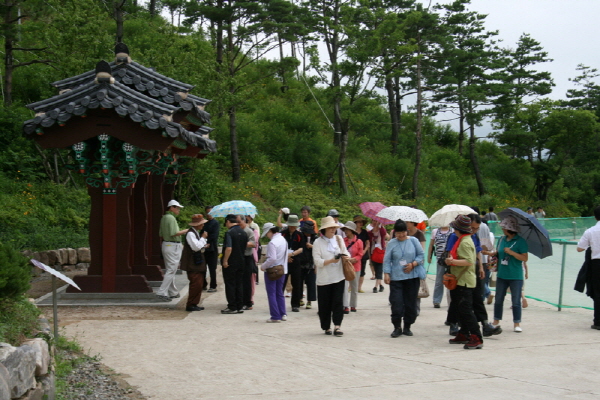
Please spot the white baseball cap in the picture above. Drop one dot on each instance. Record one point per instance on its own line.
(285, 210)
(174, 203)
(266, 228)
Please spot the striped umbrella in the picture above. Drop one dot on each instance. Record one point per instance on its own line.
(236, 207)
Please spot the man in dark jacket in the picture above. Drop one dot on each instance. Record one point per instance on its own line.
(233, 262)
(211, 254)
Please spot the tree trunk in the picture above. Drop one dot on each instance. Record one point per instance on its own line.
(9, 39)
(474, 162)
(119, 18)
(389, 86)
(415, 185)
(152, 7)
(461, 121)
(342, 164)
(235, 159)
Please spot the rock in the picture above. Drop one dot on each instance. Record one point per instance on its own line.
(34, 394)
(83, 255)
(54, 258)
(36, 255)
(72, 256)
(20, 363)
(44, 326)
(4, 383)
(43, 257)
(68, 268)
(64, 256)
(49, 386)
(27, 253)
(42, 355)
(82, 266)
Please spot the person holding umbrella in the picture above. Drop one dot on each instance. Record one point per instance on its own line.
(512, 252)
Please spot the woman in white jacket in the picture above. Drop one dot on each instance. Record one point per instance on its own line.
(277, 254)
(328, 252)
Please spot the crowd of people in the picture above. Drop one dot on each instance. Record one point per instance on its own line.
(311, 259)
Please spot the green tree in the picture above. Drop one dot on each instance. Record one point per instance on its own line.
(587, 94)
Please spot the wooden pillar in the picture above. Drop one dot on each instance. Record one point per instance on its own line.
(109, 244)
(157, 206)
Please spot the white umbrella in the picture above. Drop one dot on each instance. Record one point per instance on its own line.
(448, 213)
(404, 213)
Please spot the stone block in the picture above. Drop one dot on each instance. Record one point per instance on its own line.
(72, 256)
(49, 386)
(27, 253)
(64, 256)
(68, 268)
(34, 394)
(54, 258)
(84, 255)
(82, 266)
(4, 383)
(43, 257)
(20, 363)
(42, 355)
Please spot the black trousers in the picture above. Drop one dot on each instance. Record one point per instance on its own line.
(247, 286)
(403, 300)
(594, 276)
(233, 276)
(211, 258)
(478, 304)
(295, 274)
(310, 279)
(462, 296)
(331, 304)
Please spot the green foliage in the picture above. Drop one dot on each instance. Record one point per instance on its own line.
(18, 319)
(15, 272)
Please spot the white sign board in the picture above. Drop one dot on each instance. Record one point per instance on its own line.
(54, 272)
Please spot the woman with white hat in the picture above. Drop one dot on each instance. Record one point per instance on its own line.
(512, 252)
(277, 254)
(328, 254)
(355, 248)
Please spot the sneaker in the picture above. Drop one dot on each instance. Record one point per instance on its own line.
(491, 329)
(240, 311)
(247, 308)
(194, 308)
(163, 298)
(301, 303)
(436, 305)
(211, 290)
(175, 297)
(308, 306)
(490, 299)
(361, 291)
(229, 311)
(346, 310)
(459, 339)
(288, 294)
(375, 290)
(518, 329)
(352, 309)
(406, 331)
(380, 288)
(284, 317)
(295, 309)
(453, 331)
(396, 333)
(273, 321)
(475, 342)
(596, 327)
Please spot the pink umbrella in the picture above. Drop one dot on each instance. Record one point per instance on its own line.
(370, 210)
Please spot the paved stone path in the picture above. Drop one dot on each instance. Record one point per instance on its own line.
(212, 356)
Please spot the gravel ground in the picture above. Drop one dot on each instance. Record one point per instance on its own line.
(91, 379)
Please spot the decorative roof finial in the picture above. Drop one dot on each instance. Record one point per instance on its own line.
(122, 54)
(104, 73)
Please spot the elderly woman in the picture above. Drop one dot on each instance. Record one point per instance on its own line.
(403, 270)
(277, 254)
(193, 262)
(512, 252)
(377, 238)
(355, 248)
(328, 253)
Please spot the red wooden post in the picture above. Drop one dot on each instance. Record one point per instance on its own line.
(109, 248)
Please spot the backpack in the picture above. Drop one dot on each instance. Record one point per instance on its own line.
(440, 241)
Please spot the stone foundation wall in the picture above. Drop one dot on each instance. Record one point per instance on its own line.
(61, 259)
(27, 371)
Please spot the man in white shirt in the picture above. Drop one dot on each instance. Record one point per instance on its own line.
(193, 261)
(591, 238)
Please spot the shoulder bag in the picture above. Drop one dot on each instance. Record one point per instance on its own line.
(348, 267)
(451, 280)
(275, 272)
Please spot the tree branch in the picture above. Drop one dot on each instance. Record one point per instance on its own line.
(47, 62)
(29, 49)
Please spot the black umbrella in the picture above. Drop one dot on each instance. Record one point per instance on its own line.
(536, 236)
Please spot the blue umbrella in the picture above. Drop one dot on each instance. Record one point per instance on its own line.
(236, 207)
(536, 236)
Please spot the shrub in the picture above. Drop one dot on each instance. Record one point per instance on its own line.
(15, 273)
(18, 319)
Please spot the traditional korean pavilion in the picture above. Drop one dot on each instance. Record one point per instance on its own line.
(131, 131)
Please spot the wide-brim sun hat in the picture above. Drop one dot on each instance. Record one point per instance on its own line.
(510, 223)
(358, 218)
(328, 222)
(266, 228)
(174, 203)
(351, 226)
(293, 220)
(197, 219)
(462, 223)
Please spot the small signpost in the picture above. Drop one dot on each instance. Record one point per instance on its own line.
(55, 274)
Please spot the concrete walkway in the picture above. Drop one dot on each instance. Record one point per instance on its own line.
(212, 356)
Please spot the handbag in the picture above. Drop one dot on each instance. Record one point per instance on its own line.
(423, 289)
(377, 255)
(275, 272)
(348, 267)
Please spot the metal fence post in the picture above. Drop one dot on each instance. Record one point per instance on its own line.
(562, 276)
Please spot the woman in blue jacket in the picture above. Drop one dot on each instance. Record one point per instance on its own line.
(403, 269)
